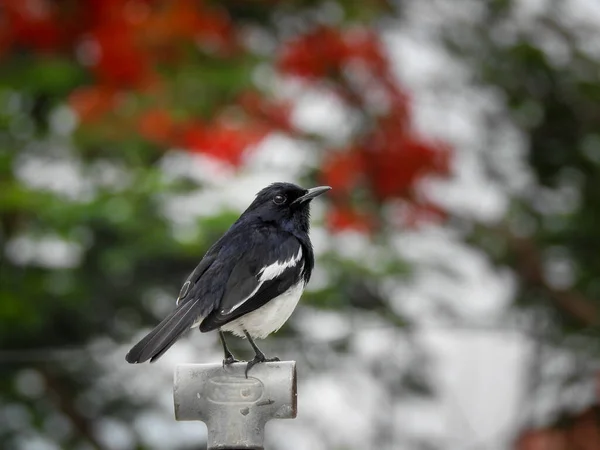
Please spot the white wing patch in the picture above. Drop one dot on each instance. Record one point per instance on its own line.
(268, 273)
(241, 302)
(277, 268)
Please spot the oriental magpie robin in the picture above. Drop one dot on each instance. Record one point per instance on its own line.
(249, 281)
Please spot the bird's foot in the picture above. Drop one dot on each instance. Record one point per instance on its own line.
(259, 358)
(229, 360)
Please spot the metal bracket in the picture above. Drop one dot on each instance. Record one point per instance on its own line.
(235, 408)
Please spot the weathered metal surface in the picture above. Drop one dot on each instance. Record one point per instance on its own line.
(235, 408)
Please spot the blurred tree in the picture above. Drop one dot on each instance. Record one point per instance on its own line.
(93, 95)
(539, 58)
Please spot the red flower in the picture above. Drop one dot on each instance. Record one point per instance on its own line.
(33, 24)
(188, 20)
(342, 170)
(6, 37)
(156, 125)
(276, 115)
(315, 54)
(396, 160)
(121, 61)
(92, 102)
(345, 218)
(214, 28)
(365, 47)
(223, 141)
(325, 50)
(391, 162)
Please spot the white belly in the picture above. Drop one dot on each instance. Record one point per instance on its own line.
(268, 318)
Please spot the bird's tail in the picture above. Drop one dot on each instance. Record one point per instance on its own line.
(163, 336)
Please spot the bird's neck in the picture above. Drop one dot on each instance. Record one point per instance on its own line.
(296, 226)
(293, 225)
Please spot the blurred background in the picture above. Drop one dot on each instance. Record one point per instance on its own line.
(456, 298)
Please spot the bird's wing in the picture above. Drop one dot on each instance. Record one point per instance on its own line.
(164, 335)
(187, 290)
(260, 274)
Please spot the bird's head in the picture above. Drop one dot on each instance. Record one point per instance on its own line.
(286, 204)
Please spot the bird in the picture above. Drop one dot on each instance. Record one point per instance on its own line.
(251, 279)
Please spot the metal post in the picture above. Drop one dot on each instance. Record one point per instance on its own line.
(235, 408)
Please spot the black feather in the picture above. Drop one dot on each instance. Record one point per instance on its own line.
(276, 246)
(164, 335)
(269, 230)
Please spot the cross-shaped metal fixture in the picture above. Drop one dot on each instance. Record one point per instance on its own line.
(235, 408)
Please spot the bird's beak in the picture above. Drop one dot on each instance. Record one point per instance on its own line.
(312, 193)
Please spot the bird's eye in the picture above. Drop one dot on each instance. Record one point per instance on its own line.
(279, 199)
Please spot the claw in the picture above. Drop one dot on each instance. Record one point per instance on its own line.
(259, 356)
(229, 360)
(259, 359)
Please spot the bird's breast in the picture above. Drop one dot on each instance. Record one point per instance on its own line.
(268, 318)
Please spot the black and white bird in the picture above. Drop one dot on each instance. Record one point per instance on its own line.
(250, 281)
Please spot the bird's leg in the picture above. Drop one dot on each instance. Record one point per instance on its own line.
(229, 359)
(259, 356)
